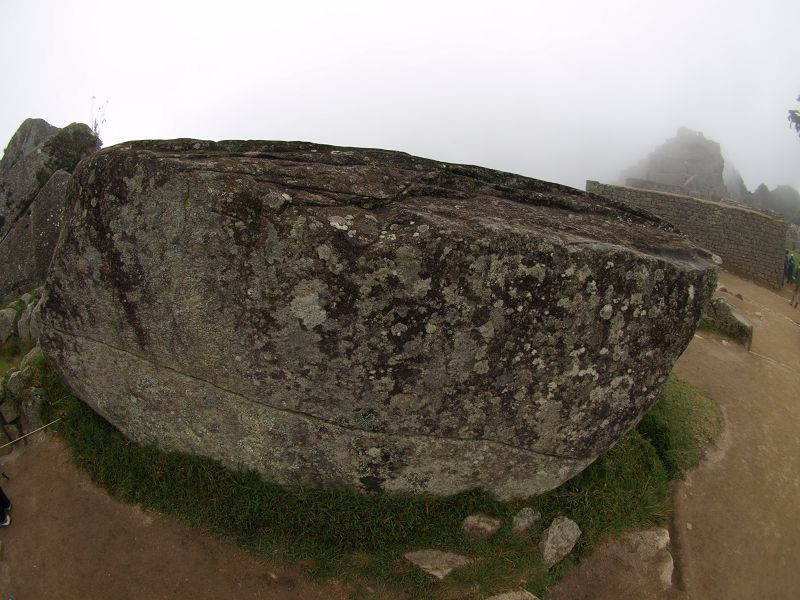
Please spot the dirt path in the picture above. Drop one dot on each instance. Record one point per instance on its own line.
(69, 540)
(738, 514)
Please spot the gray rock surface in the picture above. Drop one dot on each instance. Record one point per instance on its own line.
(34, 172)
(18, 380)
(31, 410)
(480, 526)
(651, 549)
(437, 563)
(558, 540)
(24, 324)
(720, 315)
(525, 519)
(34, 322)
(28, 136)
(46, 215)
(391, 323)
(7, 326)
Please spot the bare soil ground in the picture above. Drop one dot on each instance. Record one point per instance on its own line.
(69, 540)
(737, 516)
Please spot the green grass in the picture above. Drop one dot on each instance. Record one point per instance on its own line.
(361, 538)
(681, 426)
(11, 352)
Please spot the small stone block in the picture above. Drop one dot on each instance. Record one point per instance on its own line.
(525, 519)
(559, 540)
(515, 595)
(437, 563)
(480, 526)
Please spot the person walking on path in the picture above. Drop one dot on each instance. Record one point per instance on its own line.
(785, 267)
(796, 295)
(5, 506)
(790, 269)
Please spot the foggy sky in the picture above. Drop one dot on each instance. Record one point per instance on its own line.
(562, 91)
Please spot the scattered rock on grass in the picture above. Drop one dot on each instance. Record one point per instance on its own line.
(436, 562)
(559, 540)
(525, 519)
(480, 526)
(515, 595)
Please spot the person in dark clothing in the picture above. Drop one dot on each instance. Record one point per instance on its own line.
(5, 506)
(785, 267)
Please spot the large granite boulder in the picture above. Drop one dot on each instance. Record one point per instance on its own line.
(34, 172)
(364, 318)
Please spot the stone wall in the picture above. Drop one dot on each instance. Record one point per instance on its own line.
(749, 241)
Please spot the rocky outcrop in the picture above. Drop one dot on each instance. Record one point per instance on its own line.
(363, 318)
(34, 172)
(687, 164)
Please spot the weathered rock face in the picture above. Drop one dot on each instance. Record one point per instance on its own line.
(34, 172)
(364, 318)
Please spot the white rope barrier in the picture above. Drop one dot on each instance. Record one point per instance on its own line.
(22, 437)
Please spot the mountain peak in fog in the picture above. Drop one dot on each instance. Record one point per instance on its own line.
(688, 163)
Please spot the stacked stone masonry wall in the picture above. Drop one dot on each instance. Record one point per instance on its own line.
(750, 242)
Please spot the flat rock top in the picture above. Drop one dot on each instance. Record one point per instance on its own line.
(322, 175)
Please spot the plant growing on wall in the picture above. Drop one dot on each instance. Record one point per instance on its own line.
(97, 116)
(794, 118)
